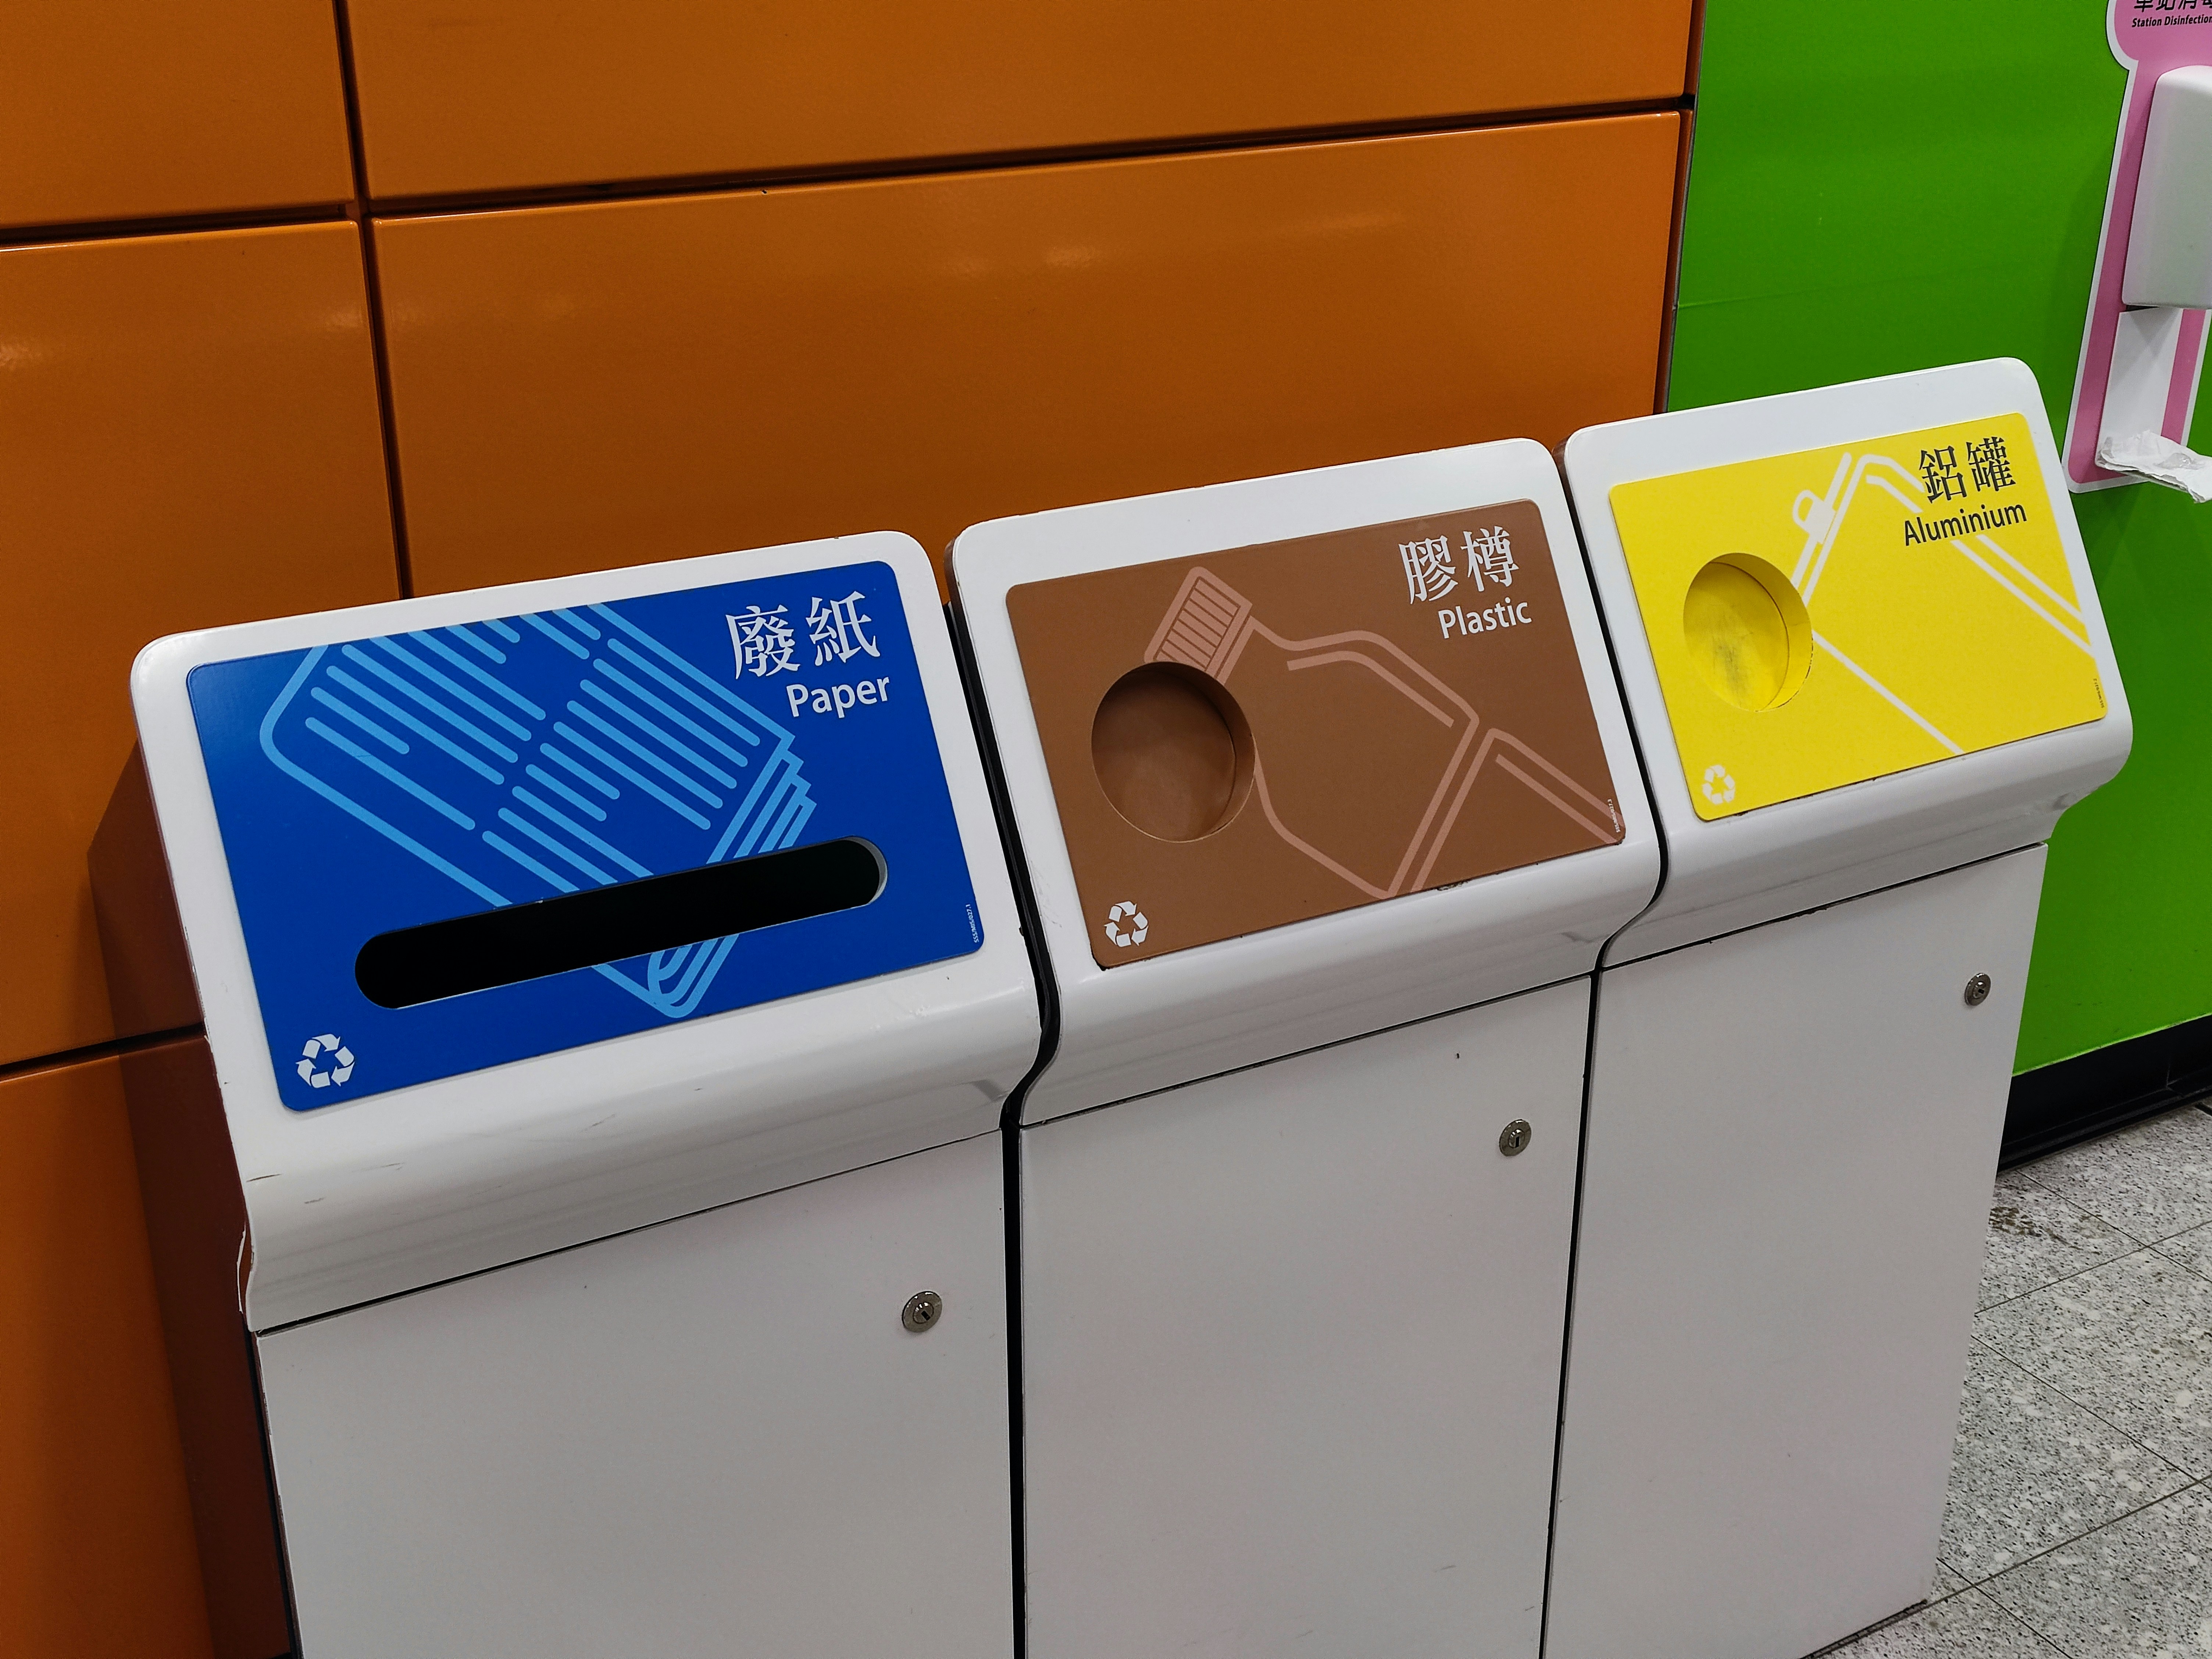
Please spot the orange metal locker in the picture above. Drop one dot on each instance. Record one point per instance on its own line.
(168, 108)
(466, 95)
(188, 435)
(575, 388)
(101, 1558)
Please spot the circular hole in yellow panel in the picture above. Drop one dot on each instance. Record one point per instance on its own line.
(1172, 752)
(1748, 632)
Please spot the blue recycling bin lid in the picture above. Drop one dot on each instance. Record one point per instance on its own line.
(432, 836)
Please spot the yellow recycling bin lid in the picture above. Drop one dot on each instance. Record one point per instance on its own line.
(1836, 614)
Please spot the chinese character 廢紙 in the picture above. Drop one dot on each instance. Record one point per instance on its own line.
(764, 642)
(836, 626)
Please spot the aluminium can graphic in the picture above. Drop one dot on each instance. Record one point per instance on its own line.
(378, 784)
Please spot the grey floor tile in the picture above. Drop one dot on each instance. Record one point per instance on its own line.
(2192, 1249)
(2142, 1585)
(2037, 1239)
(2032, 1469)
(1946, 1583)
(1967, 1625)
(2152, 1180)
(2131, 1340)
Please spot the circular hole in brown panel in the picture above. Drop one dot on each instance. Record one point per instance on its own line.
(1172, 752)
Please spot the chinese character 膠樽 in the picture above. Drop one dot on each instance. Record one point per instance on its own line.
(1989, 465)
(1428, 572)
(1490, 558)
(763, 641)
(837, 628)
(1939, 473)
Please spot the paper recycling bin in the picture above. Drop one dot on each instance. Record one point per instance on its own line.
(1327, 801)
(1862, 650)
(534, 927)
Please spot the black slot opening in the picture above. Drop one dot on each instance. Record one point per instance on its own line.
(607, 924)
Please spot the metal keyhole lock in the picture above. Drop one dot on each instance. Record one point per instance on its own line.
(1978, 990)
(922, 1310)
(1513, 1139)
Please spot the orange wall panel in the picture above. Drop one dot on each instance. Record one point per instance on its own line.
(579, 388)
(168, 106)
(99, 1558)
(188, 435)
(460, 95)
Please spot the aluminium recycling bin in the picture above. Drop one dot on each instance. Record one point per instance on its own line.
(1861, 648)
(535, 927)
(1327, 801)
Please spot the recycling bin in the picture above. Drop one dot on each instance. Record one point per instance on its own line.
(1862, 653)
(614, 983)
(1327, 801)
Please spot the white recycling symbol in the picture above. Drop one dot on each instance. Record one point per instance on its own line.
(1718, 787)
(340, 1069)
(1134, 933)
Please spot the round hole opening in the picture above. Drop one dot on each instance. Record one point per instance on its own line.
(1748, 632)
(1172, 752)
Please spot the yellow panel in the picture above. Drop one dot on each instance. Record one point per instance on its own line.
(460, 95)
(579, 388)
(188, 436)
(1824, 617)
(168, 106)
(99, 1558)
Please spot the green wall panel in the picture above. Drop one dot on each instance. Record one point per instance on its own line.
(1893, 185)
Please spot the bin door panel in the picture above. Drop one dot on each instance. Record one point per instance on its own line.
(710, 1437)
(1292, 1349)
(1791, 1136)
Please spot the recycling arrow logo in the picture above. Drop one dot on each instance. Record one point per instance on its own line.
(1125, 925)
(318, 1077)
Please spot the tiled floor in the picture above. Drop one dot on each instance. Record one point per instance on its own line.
(2079, 1520)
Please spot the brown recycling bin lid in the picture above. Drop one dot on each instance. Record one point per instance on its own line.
(1254, 737)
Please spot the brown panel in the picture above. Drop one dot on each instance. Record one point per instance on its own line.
(99, 1558)
(1260, 735)
(168, 106)
(579, 388)
(188, 436)
(196, 1222)
(503, 95)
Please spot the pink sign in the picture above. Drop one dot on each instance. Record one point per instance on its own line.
(2149, 37)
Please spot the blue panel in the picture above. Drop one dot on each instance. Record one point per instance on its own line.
(387, 782)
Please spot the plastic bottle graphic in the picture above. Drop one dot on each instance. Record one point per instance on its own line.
(1359, 756)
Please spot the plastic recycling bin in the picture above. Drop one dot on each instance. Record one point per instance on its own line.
(1327, 802)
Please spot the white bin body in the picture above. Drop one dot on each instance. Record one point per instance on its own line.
(712, 1437)
(1786, 1181)
(1291, 1349)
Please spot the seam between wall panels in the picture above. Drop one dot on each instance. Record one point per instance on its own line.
(1159, 147)
(380, 357)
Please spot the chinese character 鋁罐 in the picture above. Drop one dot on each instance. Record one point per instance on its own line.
(1429, 573)
(764, 642)
(1939, 471)
(836, 626)
(1489, 556)
(1990, 466)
